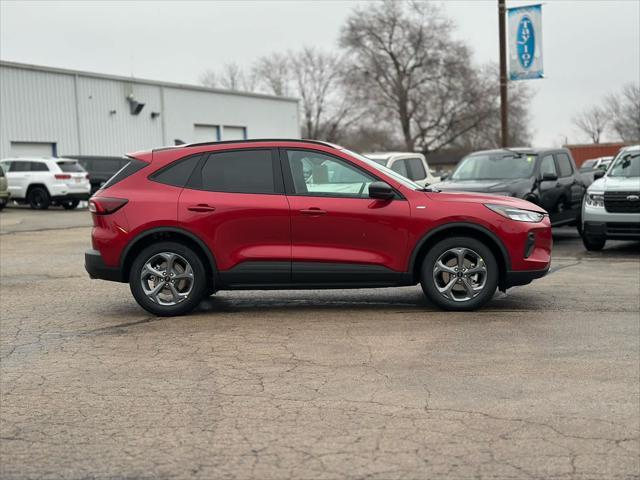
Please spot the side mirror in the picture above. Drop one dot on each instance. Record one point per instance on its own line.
(598, 174)
(381, 191)
(444, 176)
(549, 177)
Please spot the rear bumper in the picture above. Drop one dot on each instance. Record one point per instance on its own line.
(612, 230)
(96, 268)
(524, 277)
(71, 196)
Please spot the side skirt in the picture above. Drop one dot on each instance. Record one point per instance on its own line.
(310, 275)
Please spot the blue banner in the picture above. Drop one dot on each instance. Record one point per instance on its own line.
(525, 42)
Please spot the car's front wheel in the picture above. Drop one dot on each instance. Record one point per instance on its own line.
(459, 273)
(39, 198)
(168, 279)
(593, 244)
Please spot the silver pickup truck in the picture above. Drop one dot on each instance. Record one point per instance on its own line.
(611, 207)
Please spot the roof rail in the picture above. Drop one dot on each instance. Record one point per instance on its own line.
(255, 140)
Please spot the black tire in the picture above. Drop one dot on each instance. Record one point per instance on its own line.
(39, 198)
(70, 204)
(198, 289)
(490, 279)
(593, 244)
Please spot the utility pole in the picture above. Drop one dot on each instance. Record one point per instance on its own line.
(504, 121)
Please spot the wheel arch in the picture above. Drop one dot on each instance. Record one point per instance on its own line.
(31, 186)
(473, 230)
(171, 234)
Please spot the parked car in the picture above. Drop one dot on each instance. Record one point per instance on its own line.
(4, 191)
(101, 169)
(42, 182)
(183, 222)
(611, 208)
(413, 166)
(546, 177)
(600, 163)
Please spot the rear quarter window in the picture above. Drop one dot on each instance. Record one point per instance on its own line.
(39, 167)
(177, 173)
(133, 166)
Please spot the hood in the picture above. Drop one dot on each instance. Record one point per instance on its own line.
(615, 184)
(467, 197)
(485, 186)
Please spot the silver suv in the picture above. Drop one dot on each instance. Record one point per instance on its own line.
(611, 207)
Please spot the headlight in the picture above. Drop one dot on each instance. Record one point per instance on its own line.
(595, 200)
(516, 213)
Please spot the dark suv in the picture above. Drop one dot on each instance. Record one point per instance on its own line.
(184, 222)
(547, 177)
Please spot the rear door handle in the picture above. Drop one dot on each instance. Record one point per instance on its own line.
(201, 207)
(313, 211)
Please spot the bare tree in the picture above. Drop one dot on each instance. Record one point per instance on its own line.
(593, 122)
(624, 109)
(230, 77)
(406, 58)
(273, 74)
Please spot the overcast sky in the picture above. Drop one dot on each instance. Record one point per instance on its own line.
(591, 47)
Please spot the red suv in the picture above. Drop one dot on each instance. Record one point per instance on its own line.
(184, 222)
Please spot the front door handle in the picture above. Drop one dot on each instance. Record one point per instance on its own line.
(313, 211)
(201, 207)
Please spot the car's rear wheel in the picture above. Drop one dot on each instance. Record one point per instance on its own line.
(39, 198)
(70, 204)
(593, 244)
(168, 279)
(459, 273)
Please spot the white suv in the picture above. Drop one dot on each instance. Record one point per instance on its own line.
(41, 182)
(611, 207)
(410, 165)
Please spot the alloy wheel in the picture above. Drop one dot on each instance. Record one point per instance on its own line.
(167, 278)
(460, 274)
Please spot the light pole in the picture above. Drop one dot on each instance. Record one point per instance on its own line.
(504, 121)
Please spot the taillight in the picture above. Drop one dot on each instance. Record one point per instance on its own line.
(63, 176)
(106, 205)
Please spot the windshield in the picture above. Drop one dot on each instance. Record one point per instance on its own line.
(626, 165)
(387, 171)
(497, 166)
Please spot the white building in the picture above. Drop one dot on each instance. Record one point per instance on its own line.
(56, 112)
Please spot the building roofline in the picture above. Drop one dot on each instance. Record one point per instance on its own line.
(158, 83)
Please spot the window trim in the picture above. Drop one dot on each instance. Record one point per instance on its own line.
(195, 180)
(290, 187)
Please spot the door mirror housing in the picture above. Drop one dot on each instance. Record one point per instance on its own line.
(549, 177)
(381, 191)
(598, 174)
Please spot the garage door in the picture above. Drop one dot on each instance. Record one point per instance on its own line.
(32, 149)
(234, 133)
(206, 133)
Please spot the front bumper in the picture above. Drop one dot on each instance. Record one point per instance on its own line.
(516, 278)
(612, 230)
(96, 268)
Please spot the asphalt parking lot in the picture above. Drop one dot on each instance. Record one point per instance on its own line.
(543, 383)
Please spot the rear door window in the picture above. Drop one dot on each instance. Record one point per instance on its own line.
(239, 171)
(39, 167)
(416, 169)
(564, 164)
(177, 173)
